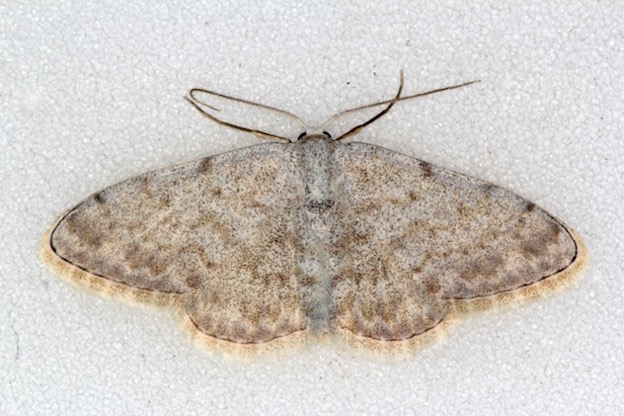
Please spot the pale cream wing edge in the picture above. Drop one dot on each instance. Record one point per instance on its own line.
(134, 296)
(397, 350)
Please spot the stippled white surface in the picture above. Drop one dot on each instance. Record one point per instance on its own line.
(92, 95)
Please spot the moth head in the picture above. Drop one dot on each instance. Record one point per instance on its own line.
(314, 134)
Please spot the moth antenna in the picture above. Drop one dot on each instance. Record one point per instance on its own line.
(391, 102)
(196, 102)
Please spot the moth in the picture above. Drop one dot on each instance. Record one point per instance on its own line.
(312, 238)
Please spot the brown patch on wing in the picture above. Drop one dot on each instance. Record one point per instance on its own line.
(427, 169)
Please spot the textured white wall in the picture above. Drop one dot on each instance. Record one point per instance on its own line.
(91, 95)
